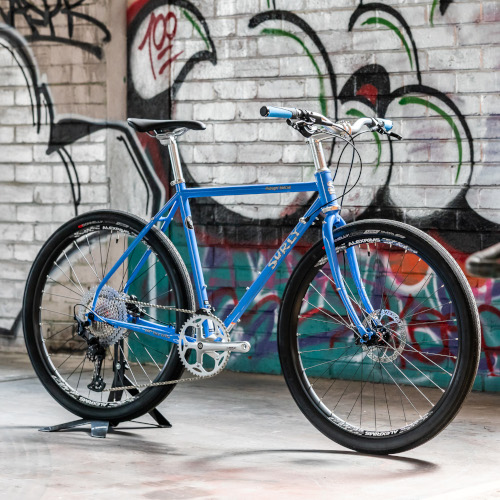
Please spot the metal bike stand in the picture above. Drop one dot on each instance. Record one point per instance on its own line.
(100, 428)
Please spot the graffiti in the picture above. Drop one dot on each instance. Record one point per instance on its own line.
(66, 131)
(156, 44)
(168, 39)
(54, 22)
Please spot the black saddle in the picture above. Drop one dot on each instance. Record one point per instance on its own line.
(162, 126)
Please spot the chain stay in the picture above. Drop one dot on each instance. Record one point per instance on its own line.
(168, 382)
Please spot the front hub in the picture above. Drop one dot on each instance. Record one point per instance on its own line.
(388, 336)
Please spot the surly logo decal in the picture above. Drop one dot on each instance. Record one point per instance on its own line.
(283, 248)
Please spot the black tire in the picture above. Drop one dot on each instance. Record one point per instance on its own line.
(424, 351)
(69, 245)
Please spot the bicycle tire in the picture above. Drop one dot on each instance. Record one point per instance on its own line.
(295, 358)
(39, 347)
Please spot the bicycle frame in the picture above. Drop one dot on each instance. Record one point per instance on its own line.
(326, 202)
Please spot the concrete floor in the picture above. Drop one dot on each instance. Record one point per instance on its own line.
(237, 436)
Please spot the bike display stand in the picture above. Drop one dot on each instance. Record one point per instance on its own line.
(100, 428)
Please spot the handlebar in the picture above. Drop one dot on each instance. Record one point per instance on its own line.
(310, 117)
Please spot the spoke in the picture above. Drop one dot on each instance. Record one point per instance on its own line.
(139, 363)
(407, 274)
(57, 295)
(397, 272)
(92, 255)
(149, 354)
(93, 270)
(328, 349)
(125, 361)
(76, 368)
(81, 371)
(409, 380)
(360, 394)
(107, 253)
(419, 352)
(404, 394)
(333, 308)
(343, 323)
(321, 320)
(420, 371)
(57, 368)
(56, 312)
(72, 291)
(142, 274)
(385, 391)
(424, 310)
(76, 286)
(385, 277)
(324, 362)
(57, 333)
(158, 282)
(71, 267)
(335, 379)
(161, 294)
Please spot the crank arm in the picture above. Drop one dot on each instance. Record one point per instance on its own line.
(222, 346)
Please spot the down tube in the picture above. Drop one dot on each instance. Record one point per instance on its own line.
(285, 248)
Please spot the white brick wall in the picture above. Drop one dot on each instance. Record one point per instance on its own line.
(458, 56)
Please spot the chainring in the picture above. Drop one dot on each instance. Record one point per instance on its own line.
(195, 327)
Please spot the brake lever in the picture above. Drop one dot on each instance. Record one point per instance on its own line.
(396, 136)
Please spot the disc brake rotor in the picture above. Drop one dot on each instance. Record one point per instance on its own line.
(391, 346)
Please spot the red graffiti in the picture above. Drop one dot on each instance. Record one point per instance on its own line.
(159, 35)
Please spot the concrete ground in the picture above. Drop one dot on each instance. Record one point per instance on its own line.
(237, 436)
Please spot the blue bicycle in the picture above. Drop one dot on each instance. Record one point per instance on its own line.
(378, 330)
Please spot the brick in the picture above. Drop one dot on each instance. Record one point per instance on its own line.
(15, 232)
(455, 59)
(35, 174)
(259, 153)
(235, 89)
(279, 88)
(235, 132)
(6, 97)
(214, 111)
(478, 81)
(478, 34)
(16, 193)
(215, 153)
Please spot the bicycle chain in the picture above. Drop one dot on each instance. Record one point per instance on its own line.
(168, 382)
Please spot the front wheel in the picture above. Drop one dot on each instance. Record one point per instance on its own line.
(406, 383)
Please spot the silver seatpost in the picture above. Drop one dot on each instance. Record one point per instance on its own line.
(169, 140)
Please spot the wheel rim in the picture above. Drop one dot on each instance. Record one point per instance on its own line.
(73, 271)
(397, 381)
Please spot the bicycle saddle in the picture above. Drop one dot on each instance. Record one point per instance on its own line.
(161, 126)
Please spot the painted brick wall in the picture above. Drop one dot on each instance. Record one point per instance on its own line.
(429, 65)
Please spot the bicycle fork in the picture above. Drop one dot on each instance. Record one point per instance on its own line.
(333, 220)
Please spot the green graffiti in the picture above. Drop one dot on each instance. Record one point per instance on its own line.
(388, 24)
(359, 114)
(278, 32)
(443, 114)
(196, 27)
(433, 8)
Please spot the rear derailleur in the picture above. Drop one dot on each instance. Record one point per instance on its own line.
(96, 353)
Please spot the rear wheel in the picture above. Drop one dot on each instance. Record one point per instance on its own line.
(406, 384)
(62, 283)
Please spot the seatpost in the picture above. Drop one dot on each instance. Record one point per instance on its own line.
(170, 141)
